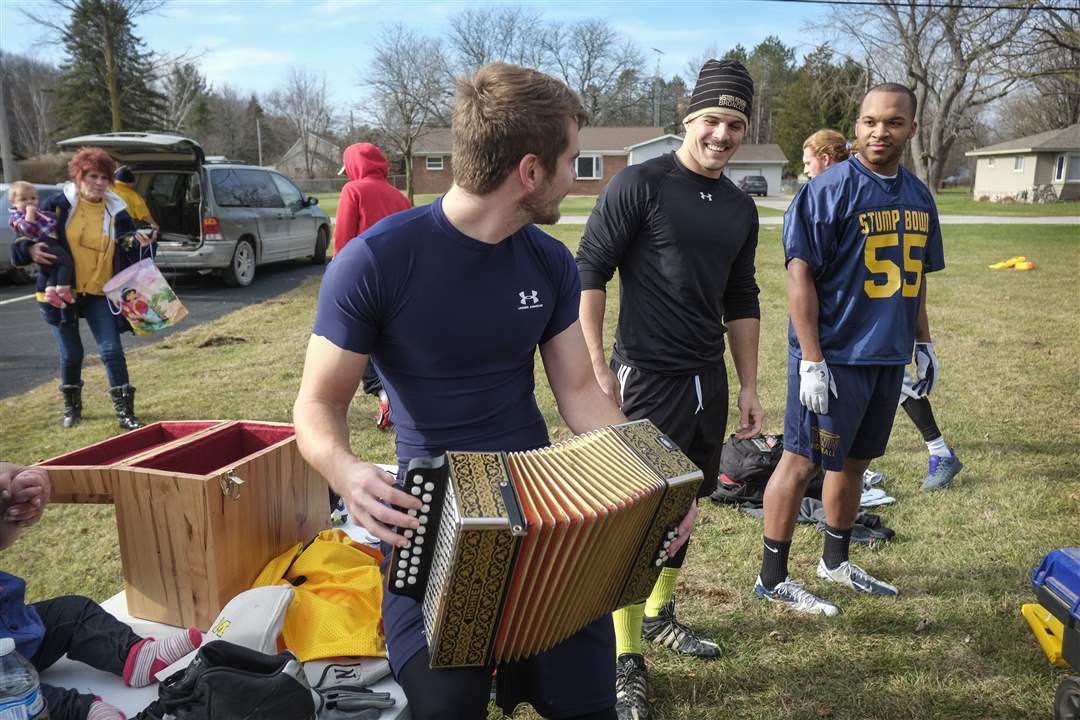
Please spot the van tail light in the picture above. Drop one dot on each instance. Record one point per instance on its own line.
(211, 229)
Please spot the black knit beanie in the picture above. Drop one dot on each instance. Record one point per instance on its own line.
(723, 86)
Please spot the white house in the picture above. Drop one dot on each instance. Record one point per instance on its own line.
(1037, 168)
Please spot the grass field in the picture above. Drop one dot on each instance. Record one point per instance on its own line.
(958, 201)
(952, 645)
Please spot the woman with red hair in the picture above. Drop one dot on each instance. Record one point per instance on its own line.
(91, 220)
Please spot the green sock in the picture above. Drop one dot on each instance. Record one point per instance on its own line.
(662, 591)
(628, 629)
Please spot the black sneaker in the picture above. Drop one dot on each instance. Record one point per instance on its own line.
(230, 682)
(666, 631)
(630, 688)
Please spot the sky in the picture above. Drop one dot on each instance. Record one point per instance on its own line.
(251, 45)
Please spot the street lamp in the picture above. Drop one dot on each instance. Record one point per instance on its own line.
(655, 89)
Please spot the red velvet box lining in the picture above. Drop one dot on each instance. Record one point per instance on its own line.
(116, 449)
(218, 449)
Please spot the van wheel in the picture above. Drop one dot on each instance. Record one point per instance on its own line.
(322, 240)
(241, 270)
(23, 275)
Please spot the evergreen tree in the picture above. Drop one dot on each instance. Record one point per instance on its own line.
(824, 94)
(254, 124)
(106, 81)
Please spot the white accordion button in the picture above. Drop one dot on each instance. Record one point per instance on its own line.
(426, 497)
(429, 486)
(416, 490)
(412, 579)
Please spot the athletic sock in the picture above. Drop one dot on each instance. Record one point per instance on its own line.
(149, 656)
(774, 557)
(938, 447)
(662, 591)
(837, 542)
(628, 629)
(101, 710)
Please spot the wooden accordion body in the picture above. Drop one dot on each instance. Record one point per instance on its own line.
(518, 551)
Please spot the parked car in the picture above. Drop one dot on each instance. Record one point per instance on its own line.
(227, 217)
(754, 185)
(26, 273)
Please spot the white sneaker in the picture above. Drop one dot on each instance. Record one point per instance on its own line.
(794, 596)
(854, 577)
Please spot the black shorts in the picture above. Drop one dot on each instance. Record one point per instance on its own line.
(690, 409)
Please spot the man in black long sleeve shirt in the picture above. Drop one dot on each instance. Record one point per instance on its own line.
(683, 238)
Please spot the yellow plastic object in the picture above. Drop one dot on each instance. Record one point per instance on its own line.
(1026, 265)
(1011, 262)
(1048, 631)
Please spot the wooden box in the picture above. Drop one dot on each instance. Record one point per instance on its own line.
(201, 507)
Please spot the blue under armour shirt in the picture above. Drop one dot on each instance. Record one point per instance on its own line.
(452, 325)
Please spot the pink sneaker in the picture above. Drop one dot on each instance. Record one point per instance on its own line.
(64, 291)
(53, 297)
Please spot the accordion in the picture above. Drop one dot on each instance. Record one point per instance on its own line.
(518, 551)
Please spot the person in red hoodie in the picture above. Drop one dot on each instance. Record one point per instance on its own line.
(366, 199)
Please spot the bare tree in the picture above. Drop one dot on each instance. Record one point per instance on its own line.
(479, 36)
(409, 90)
(28, 86)
(957, 59)
(183, 87)
(304, 104)
(605, 69)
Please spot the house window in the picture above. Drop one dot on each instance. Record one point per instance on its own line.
(589, 167)
(1072, 169)
(434, 162)
(1018, 163)
(989, 162)
(1059, 169)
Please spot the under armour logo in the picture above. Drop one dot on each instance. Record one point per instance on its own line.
(706, 196)
(531, 297)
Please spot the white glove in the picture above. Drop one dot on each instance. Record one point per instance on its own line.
(815, 382)
(926, 369)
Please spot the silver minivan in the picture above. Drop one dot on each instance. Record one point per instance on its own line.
(225, 217)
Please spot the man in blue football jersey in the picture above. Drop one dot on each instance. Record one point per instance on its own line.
(857, 242)
(451, 301)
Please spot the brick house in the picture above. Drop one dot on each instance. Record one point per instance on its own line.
(604, 152)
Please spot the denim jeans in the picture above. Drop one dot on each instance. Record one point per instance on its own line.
(95, 310)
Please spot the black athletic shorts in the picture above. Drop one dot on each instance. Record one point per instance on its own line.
(691, 409)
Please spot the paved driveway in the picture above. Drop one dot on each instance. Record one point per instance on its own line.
(29, 356)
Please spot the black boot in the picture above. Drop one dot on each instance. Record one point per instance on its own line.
(72, 404)
(123, 397)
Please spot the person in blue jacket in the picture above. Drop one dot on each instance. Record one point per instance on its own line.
(94, 226)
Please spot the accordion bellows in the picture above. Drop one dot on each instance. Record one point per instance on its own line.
(531, 547)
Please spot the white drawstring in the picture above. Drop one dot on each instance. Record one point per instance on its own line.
(622, 375)
(697, 389)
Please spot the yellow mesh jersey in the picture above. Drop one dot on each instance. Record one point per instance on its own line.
(136, 206)
(337, 611)
(91, 247)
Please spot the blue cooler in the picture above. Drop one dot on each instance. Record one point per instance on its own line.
(1057, 585)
